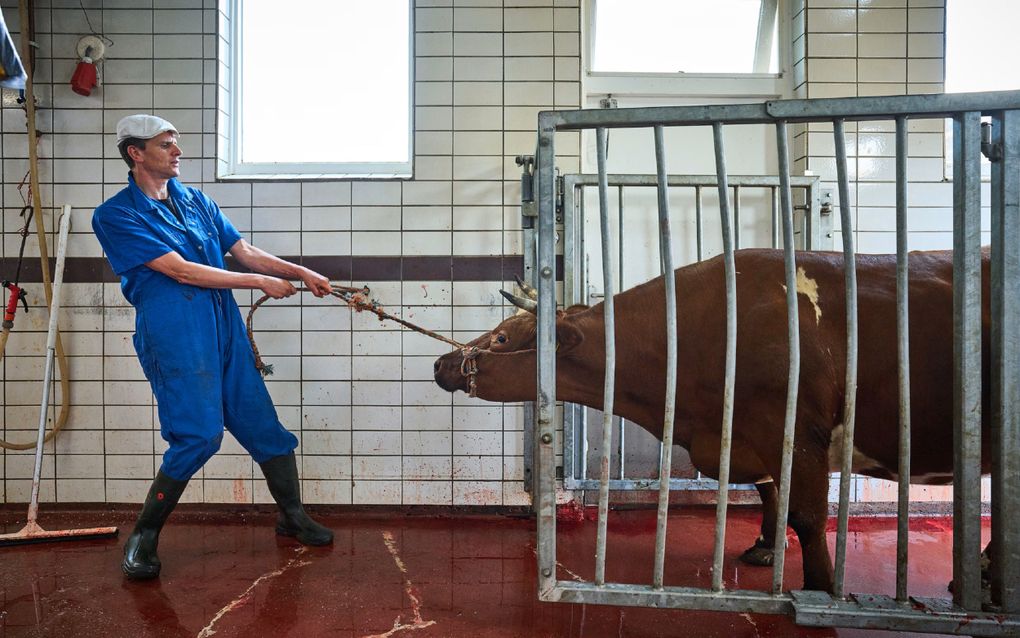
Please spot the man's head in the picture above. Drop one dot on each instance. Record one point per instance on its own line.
(134, 131)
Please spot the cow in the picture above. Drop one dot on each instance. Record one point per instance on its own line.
(506, 372)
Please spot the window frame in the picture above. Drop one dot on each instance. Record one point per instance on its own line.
(697, 85)
(229, 166)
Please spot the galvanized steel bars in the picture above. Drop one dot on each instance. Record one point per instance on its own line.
(544, 497)
(1005, 377)
(903, 360)
(793, 377)
(920, 613)
(730, 370)
(610, 378)
(967, 359)
(666, 452)
(850, 381)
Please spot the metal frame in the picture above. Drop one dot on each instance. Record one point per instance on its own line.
(814, 228)
(965, 613)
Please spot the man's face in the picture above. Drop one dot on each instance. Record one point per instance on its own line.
(161, 156)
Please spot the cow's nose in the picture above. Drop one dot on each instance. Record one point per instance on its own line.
(437, 366)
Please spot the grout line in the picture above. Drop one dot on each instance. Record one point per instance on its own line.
(246, 597)
(409, 589)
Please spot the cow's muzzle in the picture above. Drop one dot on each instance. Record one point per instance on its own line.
(457, 370)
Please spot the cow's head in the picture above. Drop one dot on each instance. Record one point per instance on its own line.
(505, 355)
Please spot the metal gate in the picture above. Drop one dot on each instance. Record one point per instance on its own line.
(1000, 142)
(813, 228)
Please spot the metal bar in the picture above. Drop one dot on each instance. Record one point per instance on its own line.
(699, 222)
(633, 595)
(584, 412)
(726, 428)
(816, 609)
(1005, 351)
(572, 276)
(903, 360)
(545, 404)
(666, 455)
(851, 109)
(775, 217)
(705, 181)
(652, 484)
(610, 378)
(621, 446)
(736, 216)
(967, 357)
(793, 335)
(808, 227)
(850, 383)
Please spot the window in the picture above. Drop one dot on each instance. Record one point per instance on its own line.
(315, 89)
(981, 55)
(666, 36)
(724, 48)
(981, 45)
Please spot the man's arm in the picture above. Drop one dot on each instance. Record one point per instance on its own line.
(186, 272)
(260, 261)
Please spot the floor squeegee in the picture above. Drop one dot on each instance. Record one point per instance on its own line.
(32, 532)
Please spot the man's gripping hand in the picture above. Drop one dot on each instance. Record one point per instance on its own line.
(315, 282)
(277, 288)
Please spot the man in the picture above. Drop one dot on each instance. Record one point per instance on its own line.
(167, 242)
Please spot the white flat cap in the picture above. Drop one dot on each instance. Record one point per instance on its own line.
(142, 126)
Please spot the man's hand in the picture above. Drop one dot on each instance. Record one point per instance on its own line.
(277, 288)
(315, 282)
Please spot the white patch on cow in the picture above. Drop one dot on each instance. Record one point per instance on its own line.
(809, 288)
(859, 461)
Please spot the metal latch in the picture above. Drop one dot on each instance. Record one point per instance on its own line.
(992, 151)
(529, 210)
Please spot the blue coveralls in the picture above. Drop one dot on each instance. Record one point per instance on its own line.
(191, 341)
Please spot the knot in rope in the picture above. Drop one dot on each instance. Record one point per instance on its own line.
(469, 367)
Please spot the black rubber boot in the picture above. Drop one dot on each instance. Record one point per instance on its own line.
(282, 478)
(140, 559)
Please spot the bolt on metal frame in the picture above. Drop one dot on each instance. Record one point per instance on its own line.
(811, 234)
(964, 614)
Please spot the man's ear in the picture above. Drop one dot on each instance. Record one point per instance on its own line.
(567, 336)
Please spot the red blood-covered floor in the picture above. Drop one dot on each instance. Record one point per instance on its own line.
(414, 575)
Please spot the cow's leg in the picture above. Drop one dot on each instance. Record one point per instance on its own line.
(762, 552)
(809, 513)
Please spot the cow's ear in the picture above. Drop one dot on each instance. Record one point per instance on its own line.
(567, 336)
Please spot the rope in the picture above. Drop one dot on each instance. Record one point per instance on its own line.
(357, 299)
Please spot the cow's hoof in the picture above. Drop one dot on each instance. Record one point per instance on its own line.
(759, 555)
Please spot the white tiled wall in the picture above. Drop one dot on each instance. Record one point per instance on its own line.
(374, 428)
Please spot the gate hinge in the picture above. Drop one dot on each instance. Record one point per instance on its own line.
(991, 151)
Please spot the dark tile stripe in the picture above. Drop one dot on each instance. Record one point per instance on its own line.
(337, 268)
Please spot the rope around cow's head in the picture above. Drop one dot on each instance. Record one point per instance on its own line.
(358, 300)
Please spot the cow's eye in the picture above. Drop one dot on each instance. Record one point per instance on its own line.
(501, 338)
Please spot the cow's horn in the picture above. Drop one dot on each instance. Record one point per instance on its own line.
(524, 304)
(525, 288)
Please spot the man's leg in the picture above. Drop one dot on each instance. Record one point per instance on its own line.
(175, 343)
(282, 479)
(140, 559)
(250, 416)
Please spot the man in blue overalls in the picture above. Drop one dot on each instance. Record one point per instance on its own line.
(167, 242)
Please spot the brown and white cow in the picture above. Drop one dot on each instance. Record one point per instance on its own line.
(507, 373)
